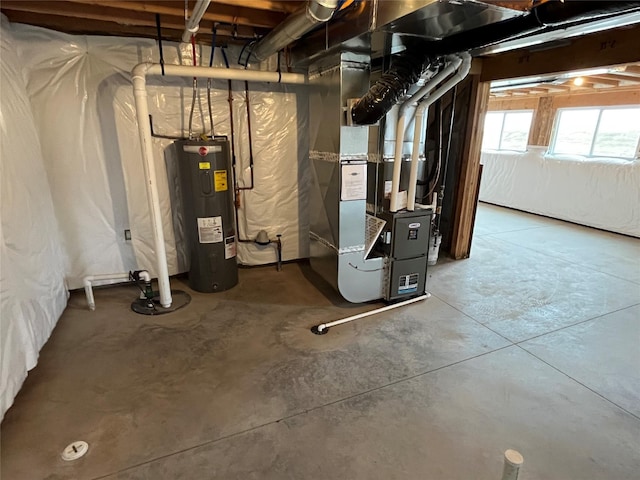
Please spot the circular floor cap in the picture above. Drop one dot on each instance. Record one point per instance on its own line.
(514, 457)
(75, 450)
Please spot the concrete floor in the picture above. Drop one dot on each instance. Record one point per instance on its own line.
(533, 344)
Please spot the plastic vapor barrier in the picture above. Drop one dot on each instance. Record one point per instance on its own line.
(601, 193)
(33, 294)
(82, 101)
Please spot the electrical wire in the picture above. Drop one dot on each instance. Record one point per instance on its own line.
(159, 29)
(248, 105)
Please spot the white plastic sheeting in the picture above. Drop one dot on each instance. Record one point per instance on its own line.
(82, 101)
(32, 277)
(602, 193)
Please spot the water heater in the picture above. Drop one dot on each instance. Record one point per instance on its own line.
(204, 171)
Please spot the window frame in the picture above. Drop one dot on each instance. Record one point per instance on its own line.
(600, 108)
(504, 115)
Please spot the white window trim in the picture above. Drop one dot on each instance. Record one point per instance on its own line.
(600, 108)
(504, 114)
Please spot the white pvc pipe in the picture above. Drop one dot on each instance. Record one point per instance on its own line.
(323, 326)
(460, 75)
(193, 24)
(139, 79)
(454, 63)
(513, 460)
(415, 153)
(89, 279)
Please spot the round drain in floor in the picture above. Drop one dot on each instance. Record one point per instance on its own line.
(75, 450)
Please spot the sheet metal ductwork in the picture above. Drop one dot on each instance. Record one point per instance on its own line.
(550, 15)
(408, 66)
(295, 26)
(412, 37)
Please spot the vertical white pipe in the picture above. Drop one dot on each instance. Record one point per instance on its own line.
(397, 159)
(193, 25)
(142, 114)
(454, 63)
(139, 80)
(465, 66)
(415, 151)
(513, 460)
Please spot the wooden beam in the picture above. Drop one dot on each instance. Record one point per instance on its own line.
(628, 96)
(287, 6)
(542, 123)
(633, 70)
(467, 200)
(619, 77)
(613, 47)
(222, 13)
(513, 103)
(602, 81)
(98, 27)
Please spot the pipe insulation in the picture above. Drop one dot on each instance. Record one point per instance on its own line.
(139, 79)
(453, 62)
(316, 12)
(460, 75)
(193, 24)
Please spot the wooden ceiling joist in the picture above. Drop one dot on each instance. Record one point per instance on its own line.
(600, 80)
(100, 27)
(283, 6)
(132, 13)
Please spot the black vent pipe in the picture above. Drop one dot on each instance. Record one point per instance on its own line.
(407, 67)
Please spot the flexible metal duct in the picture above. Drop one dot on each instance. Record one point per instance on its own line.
(295, 26)
(406, 69)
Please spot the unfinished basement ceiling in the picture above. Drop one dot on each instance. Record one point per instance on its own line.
(237, 21)
(618, 78)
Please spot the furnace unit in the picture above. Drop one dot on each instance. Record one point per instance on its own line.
(206, 182)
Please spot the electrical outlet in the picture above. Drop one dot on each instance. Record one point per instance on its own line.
(127, 235)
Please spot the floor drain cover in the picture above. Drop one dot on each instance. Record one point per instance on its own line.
(142, 306)
(75, 450)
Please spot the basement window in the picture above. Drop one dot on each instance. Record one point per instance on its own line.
(508, 130)
(597, 132)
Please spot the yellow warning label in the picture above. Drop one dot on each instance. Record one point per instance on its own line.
(204, 165)
(220, 180)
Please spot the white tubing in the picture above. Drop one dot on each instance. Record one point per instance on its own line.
(193, 25)
(324, 326)
(415, 152)
(454, 63)
(460, 75)
(513, 460)
(89, 279)
(142, 113)
(144, 276)
(139, 80)
(397, 160)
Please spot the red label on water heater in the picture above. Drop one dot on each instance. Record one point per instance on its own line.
(203, 151)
